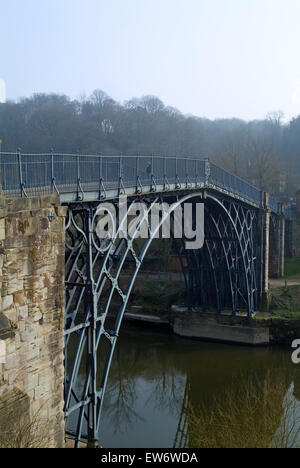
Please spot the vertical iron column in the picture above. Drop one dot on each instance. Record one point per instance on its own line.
(91, 310)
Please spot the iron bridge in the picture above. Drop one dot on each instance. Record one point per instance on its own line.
(227, 274)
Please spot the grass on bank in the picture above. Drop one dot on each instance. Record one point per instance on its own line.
(158, 293)
(292, 268)
(285, 302)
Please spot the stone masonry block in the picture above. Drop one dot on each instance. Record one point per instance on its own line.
(30, 333)
(23, 312)
(2, 229)
(7, 302)
(49, 200)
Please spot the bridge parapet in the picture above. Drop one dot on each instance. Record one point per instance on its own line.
(91, 177)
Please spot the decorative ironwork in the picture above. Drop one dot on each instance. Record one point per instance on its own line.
(223, 275)
(220, 276)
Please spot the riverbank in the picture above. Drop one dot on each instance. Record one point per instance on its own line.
(155, 301)
(283, 318)
(221, 328)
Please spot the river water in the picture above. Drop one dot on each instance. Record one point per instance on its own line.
(156, 377)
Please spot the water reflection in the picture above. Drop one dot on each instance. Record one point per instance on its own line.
(156, 378)
(288, 432)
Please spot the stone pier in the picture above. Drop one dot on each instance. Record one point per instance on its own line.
(222, 329)
(32, 256)
(277, 246)
(264, 232)
(272, 232)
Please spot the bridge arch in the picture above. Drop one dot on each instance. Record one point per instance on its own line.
(93, 282)
(238, 221)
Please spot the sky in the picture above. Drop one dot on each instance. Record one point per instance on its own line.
(210, 58)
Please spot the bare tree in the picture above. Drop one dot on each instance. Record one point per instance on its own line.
(233, 152)
(263, 161)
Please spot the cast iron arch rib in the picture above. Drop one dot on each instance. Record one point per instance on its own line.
(93, 282)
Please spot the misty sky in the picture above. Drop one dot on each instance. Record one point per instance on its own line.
(213, 58)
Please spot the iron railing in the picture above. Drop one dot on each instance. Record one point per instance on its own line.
(40, 174)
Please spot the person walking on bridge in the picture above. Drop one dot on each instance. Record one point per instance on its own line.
(149, 171)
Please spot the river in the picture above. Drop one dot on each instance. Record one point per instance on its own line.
(156, 378)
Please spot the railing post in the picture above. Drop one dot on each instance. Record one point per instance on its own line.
(100, 168)
(138, 186)
(121, 185)
(52, 170)
(79, 186)
(166, 182)
(196, 173)
(4, 174)
(120, 166)
(46, 172)
(53, 184)
(78, 174)
(152, 176)
(177, 181)
(186, 173)
(153, 182)
(152, 166)
(207, 171)
(188, 182)
(102, 191)
(20, 173)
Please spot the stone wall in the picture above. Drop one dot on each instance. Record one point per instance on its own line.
(32, 256)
